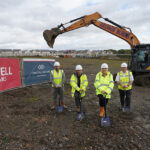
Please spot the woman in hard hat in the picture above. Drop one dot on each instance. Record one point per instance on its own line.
(79, 83)
(57, 78)
(104, 85)
(124, 80)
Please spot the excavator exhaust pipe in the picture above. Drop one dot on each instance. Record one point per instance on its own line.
(50, 36)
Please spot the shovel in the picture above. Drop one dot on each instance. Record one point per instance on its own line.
(126, 109)
(81, 114)
(59, 108)
(105, 121)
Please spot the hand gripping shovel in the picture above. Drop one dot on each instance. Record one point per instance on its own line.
(105, 121)
(59, 108)
(80, 115)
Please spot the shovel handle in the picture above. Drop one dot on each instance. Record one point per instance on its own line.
(105, 106)
(80, 100)
(59, 96)
(124, 96)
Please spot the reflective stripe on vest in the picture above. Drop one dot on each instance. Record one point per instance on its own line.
(124, 80)
(57, 76)
(82, 82)
(103, 84)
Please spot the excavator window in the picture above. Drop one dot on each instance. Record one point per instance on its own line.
(146, 57)
(141, 56)
(142, 59)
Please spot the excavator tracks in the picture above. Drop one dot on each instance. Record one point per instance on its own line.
(142, 80)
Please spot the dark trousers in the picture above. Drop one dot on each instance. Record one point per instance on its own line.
(125, 97)
(102, 100)
(77, 98)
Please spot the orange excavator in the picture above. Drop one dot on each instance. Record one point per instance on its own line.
(140, 53)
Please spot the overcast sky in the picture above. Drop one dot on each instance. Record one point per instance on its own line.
(22, 23)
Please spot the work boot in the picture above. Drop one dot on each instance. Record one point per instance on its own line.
(102, 111)
(53, 105)
(78, 109)
(64, 105)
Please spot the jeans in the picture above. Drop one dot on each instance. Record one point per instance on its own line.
(57, 92)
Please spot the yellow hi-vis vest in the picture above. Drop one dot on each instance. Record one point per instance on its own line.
(124, 80)
(57, 76)
(104, 83)
(74, 84)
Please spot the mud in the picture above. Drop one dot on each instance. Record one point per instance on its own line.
(27, 123)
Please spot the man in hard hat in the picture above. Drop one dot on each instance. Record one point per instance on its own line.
(104, 85)
(79, 83)
(124, 80)
(57, 78)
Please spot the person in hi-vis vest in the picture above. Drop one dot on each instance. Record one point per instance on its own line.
(57, 77)
(104, 85)
(124, 79)
(79, 83)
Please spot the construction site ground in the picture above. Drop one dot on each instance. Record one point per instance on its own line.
(28, 123)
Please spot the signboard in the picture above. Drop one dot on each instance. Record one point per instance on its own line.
(37, 70)
(9, 73)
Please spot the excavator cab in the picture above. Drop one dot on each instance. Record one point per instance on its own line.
(140, 61)
(140, 64)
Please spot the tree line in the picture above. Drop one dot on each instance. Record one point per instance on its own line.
(121, 51)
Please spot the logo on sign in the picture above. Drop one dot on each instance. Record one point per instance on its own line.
(4, 72)
(41, 67)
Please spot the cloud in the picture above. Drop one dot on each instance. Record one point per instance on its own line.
(23, 22)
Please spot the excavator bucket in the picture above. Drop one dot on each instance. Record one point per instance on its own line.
(50, 36)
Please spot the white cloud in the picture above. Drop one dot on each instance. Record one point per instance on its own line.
(23, 22)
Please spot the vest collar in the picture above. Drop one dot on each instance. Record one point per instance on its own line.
(58, 70)
(77, 75)
(123, 72)
(106, 75)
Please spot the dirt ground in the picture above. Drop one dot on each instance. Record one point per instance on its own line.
(27, 123)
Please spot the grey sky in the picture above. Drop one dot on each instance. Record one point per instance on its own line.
(22, 23)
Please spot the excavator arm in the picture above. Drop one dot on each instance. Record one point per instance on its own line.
(115, 29)
(120, 32)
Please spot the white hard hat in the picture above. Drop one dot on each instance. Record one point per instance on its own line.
(124, 65)
(56, 64)
(104, 65)
(78, 67)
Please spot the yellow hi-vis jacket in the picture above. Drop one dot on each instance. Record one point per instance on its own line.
(124, 80)
(104, 83)
(74, 84)
(56, 77)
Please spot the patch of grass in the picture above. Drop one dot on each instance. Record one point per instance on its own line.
(69, 62)
(67, 92)
(6, 140)
(33, 99)
(11, 122)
